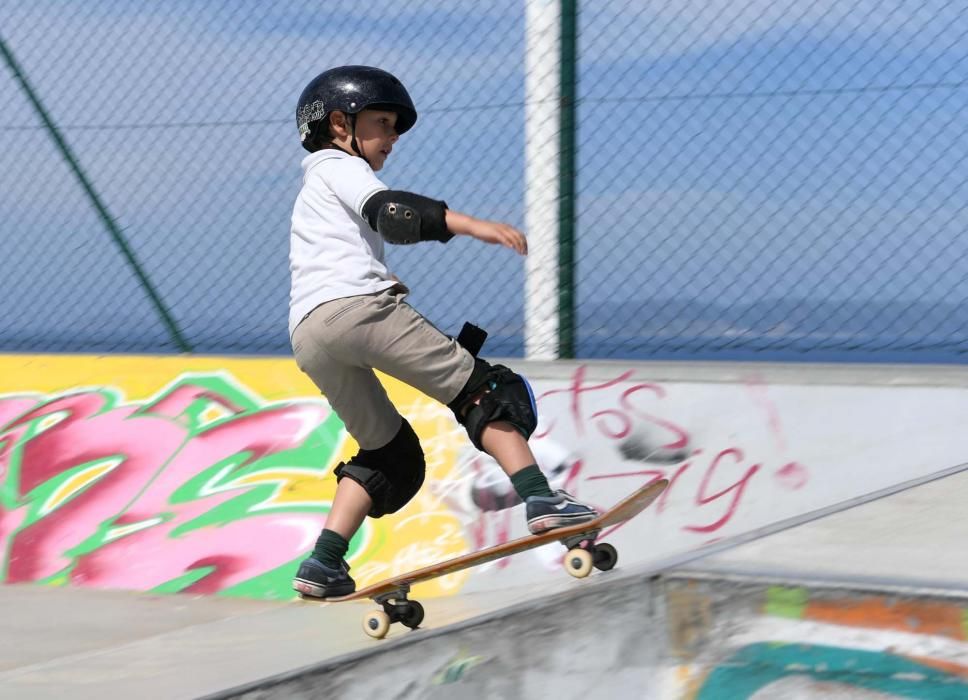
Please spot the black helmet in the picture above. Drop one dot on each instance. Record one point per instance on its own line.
(351, 89)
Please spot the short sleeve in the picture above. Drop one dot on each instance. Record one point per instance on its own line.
(352, 180)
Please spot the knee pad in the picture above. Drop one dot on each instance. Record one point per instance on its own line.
(504, 396)
(391, 474)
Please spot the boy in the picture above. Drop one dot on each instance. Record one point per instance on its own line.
(348, 317)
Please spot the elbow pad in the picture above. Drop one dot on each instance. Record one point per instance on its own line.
(404, 217)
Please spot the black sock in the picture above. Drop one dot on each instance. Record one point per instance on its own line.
(330, 548)
(530, 481)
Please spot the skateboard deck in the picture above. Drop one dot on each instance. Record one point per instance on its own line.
(584, 555)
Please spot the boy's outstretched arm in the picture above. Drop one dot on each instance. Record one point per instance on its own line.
(486, 231)
(406, 218)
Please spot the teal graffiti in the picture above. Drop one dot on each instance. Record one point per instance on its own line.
(758, 665)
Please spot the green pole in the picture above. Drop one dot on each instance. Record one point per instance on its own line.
(566, 181)
(109, 222)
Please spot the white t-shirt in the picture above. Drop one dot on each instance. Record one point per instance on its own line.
(333, 252)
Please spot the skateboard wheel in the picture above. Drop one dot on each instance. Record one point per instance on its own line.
(376, 624)
(579, 562)
(606, 556)
(413, 616)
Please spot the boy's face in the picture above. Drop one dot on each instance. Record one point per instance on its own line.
(375, 135)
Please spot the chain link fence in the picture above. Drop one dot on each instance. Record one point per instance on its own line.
(779, 178)
(757, 180)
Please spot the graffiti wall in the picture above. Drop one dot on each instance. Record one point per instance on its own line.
(793, 642)
(213, 475)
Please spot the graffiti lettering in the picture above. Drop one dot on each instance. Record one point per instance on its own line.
(181, 493)
(668, 450)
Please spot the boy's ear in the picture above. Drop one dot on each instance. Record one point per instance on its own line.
(337, 123)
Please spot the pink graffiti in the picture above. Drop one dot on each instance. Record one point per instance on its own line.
(612, 423)
(734, 491)
(158, 453)
(721, 477)
(88, 432)
(731, 495)
(792, 476)
(237, 549)
(760, 392)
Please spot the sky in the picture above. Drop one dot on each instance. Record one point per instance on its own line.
(730, 155)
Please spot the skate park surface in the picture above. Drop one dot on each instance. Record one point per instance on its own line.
(813, 552)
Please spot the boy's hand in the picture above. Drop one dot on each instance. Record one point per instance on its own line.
(487, 231)
(503, 234)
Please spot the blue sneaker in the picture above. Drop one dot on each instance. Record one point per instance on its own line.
(558, 510)
(316, 580)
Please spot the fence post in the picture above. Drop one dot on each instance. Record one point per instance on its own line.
(567, 175)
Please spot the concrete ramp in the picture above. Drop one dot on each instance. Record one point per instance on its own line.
(679, 635)
(869, 602)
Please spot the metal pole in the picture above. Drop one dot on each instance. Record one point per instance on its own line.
(542, 176)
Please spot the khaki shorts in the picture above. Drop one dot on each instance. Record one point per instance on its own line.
(339, 344)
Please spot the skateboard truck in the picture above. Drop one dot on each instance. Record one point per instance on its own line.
(585, 554)
(396, 608)
(575, 540)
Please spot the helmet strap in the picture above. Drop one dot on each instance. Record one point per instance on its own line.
(353, 144)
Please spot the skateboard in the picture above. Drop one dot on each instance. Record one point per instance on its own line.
(584, 554)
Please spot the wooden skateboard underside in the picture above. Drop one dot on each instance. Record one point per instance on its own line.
(620, 512)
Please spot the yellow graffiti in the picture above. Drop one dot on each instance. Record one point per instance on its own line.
(212, 414)
(76, 483)
(425, 532)
(116, 532)
(48, 422)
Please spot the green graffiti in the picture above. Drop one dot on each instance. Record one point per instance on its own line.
(786, 602)
(180, 583)
(456, 668)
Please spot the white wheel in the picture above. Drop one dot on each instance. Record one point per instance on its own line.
(376, 624)
(579, 562)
